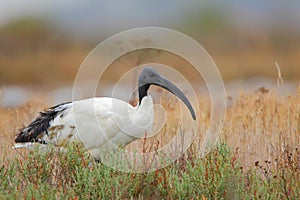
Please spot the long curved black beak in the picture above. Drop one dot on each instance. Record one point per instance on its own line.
(150, 76)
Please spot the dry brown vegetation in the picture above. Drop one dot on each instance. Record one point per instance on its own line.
(31, 53)
(262, 130)
(260, 126)
(12, 120)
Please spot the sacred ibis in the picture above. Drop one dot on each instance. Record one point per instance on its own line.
(98, 122)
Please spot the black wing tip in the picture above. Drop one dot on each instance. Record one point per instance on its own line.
(20, 139)
(39, 125)
(24, 135)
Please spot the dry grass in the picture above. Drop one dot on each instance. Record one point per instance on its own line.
(12, 120)
(260, 125)
(262, 130)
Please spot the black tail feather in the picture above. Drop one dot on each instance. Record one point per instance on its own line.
(36, 128)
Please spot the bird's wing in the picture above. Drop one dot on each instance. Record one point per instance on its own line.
(95, 120)
(95, 123)
(88, 121)
(39, 127)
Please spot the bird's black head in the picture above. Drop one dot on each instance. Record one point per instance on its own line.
(150, 76)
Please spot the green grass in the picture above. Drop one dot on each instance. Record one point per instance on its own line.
(219, 175)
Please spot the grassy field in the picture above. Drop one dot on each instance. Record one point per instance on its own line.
(257, 157)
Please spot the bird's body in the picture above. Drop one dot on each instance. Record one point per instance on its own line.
(96, 128)
(97, 123)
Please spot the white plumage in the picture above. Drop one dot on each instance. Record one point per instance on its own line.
(97, 123)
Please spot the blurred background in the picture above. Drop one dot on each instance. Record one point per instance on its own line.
(43, 43)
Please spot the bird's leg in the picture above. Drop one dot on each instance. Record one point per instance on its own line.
(94, 162)
(98, 161)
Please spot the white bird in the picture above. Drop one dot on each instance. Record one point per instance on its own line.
(98, 122)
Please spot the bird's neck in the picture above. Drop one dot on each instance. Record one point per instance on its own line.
(146, 105)
(143, 91)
